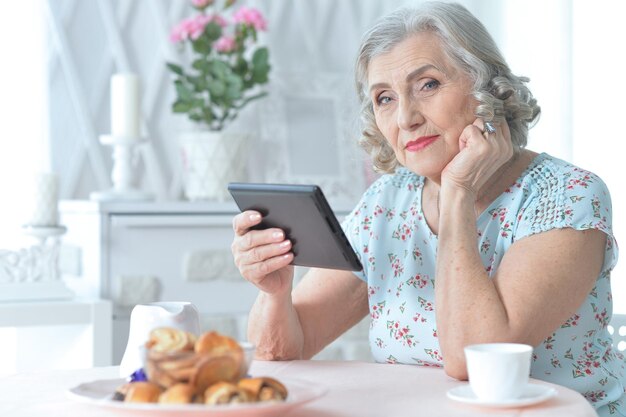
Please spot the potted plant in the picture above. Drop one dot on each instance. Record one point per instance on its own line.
(226, 73)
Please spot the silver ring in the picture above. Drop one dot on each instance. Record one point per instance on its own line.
(489, 127)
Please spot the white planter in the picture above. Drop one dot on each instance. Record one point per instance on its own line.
(210, 161)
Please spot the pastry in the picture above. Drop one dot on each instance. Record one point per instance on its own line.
(263, 389)
(216, 344)
(212, 369)
(170, 340)
(183, 369)
(143, 392)
(168, 369)
(225, 393)
(121, 391)
(158, 376)
(178, 394)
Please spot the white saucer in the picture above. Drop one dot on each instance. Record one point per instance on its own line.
(533, 394)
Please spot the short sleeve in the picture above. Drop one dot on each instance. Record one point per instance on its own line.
(567, 197)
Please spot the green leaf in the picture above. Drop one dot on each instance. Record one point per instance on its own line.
(260, 66)
(220, 69)
(201, 65)
(208, 115)
(181, 107)
(259, 74)
(201, 45)
(216, 88)
(233, 93)
(241, 66)
(261, 57)
(195, 117)
(199, 83)
(184, 94)
(212, 31)
(197, 103)
(177, 69)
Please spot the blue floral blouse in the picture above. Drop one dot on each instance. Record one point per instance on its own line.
(397, 249)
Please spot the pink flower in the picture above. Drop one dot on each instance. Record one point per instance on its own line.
(193, 27)
(201, 4)
(214, 18)
(224, 44)
(251, 17)
(190, 28)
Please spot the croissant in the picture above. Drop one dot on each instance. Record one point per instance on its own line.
(170, 340)
(178, 394)
(212, 369)
(263, 389)
(225, 393)
(143, 392)
(214, 343)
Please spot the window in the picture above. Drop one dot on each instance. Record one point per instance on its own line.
(22, 112)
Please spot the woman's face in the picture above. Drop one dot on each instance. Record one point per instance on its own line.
(421, 103)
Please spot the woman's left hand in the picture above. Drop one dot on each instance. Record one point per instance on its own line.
(481, 155)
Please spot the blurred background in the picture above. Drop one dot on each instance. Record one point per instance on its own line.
(58, 59)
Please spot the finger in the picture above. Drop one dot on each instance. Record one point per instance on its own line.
(245, 220)
(256, 272)
(261, 253)
(471, 136)
(255, 238)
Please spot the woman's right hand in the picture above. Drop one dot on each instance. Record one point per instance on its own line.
(262, 256)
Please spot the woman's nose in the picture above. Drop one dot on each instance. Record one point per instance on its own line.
(409, 115)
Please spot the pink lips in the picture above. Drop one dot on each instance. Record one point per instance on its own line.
(420, 143)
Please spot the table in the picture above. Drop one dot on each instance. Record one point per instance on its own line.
(354, 389)
(96, 315)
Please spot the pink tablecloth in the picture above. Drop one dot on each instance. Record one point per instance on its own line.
(352, 389)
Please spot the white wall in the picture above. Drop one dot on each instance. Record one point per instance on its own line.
(599, 110)
(571, 50)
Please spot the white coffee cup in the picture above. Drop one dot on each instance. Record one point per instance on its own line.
(498, 371)
(146, 317)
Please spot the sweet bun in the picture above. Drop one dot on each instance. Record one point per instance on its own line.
(263, 389)
(121, 391)
(178, 394)
(143, 392)
(170, 340)
(214, 343)
(184, 369)
(225, 393)
(212, 369)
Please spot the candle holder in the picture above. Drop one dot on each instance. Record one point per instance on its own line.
(33, 273)
(122, 175)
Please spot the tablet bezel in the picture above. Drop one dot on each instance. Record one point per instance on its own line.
(268, 199)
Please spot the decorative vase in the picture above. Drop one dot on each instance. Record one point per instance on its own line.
(211, 160)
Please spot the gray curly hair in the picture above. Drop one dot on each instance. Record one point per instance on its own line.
(500, 93)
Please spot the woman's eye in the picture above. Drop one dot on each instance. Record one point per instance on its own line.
(430, 85)
(382, 100)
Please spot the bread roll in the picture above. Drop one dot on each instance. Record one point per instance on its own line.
(264, 389)
(212, 369)
(143, 392)
(216, 344)
(225, 393)
(170, 340)
(178, 394)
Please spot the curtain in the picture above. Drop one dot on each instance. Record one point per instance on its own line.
(23, 124)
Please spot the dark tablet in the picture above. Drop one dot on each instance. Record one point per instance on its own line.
(303, 213)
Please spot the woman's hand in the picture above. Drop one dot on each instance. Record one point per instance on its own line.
(480, 156)
(262, 256)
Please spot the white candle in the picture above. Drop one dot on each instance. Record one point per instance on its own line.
(45, 202)
(125, 106)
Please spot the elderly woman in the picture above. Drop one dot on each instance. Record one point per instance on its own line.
(469, 238)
